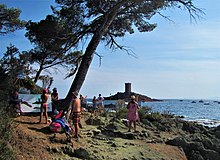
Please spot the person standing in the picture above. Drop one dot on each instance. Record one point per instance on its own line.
(94, 104)
(54, 99)
(75, 113)
(83, 102)
(100, 101)
(132, 113)
(44, 106)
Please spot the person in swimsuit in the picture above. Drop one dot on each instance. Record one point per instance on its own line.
(44, 106)
(132, 113)
(75, 113)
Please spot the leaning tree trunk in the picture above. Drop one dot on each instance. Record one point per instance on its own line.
(38, 74)
(89, 53)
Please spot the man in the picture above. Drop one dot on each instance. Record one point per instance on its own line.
(75, 113)
(54, 99)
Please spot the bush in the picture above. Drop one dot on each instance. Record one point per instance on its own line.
(143, 112)
(155, 116)
(6, 153)
(122, 113)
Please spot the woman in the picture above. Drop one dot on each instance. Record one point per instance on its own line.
(44, 106)
(132, 113)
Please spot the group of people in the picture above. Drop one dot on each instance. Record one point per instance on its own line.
(77, 104)
(97, 103)
(44, 104)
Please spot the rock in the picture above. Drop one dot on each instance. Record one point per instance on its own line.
(194, 149)
(95, 121)
(96, 132)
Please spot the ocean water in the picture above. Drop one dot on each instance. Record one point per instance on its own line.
(205, 112)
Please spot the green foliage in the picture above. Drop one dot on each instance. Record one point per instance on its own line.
(5, 118)
(9, 20)
(6, 152)
(52, 39)
(122, 113)
(15, 66)
(155, 116)
(5, 132)
(143, 112)
(86, 17)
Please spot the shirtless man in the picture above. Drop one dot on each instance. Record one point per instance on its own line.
(75, 113)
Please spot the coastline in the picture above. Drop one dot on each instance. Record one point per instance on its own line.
(104, 137)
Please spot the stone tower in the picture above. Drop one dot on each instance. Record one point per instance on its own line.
(128, 89)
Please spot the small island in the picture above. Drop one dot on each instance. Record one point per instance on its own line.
(127, 94)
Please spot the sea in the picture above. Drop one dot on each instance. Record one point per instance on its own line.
(205, 112)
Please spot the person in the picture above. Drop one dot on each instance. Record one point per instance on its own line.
(54, 99)
(132, 113)
(75, 113)
(100, 102)
(94, 103)
(44, 106)
(15, 102)
(83, 102)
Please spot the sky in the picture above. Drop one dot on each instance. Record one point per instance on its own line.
(178, 60)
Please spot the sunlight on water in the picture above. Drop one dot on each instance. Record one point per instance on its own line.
(206, 112)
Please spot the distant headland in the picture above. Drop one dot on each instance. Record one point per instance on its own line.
(127, 94)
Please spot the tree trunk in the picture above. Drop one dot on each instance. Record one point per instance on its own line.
(38, 74)
(90, 50)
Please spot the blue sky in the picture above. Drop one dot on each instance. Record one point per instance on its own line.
(176, 60)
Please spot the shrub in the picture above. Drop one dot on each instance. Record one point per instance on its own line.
(6, 153)
(122, 113)
(143, 112)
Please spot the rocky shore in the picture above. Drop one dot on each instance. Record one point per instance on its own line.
(159, 137)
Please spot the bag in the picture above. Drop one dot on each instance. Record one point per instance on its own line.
(56, 127)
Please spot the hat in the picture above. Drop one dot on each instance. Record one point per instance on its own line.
(45, 90)
(75, 93)
(55, 89)
(133, 97)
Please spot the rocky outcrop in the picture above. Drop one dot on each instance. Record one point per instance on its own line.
(126, 97)
(157, 137)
